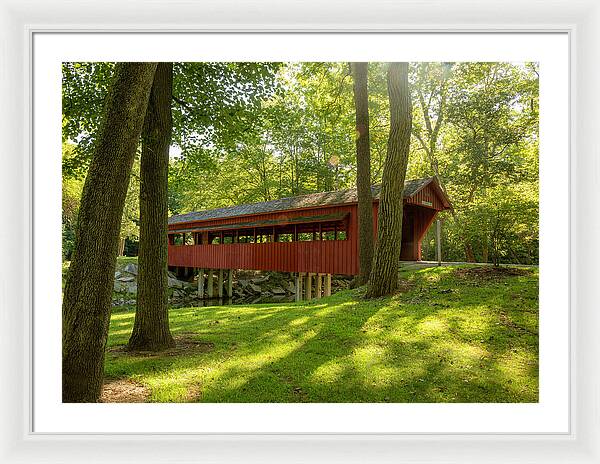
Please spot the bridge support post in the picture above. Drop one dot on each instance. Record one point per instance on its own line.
(327, 285)
(319, 286)
(201, 283)
(211, 287)
(230, 284)
(309, 277)
(299, 278)
(220, 284)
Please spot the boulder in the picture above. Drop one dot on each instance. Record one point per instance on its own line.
(174, 283)
(129, 278)
(255, 288)
(117, 274)
(131, 288)
(131, 268)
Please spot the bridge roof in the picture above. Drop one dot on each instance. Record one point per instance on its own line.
(311, 200)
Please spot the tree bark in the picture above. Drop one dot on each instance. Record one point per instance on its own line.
(151, 326)
(87, 299)
(363, 172)
(469, 254)
(384, 274)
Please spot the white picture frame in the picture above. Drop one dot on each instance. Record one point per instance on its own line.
(19, 22)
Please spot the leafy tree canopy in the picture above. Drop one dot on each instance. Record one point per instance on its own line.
(214, 103)
(258, 131)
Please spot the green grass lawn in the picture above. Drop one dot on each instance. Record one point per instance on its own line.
(445, 338)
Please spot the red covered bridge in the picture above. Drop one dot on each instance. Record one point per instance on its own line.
(308, 234)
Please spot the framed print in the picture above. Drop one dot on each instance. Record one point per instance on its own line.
(510, 380)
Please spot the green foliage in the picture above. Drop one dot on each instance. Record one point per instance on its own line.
(72, 187)
(486, 156)
(491, 124)
(213, 103)
(130, 228)
(71, 193)
(247, 132)
(502, 226)
(447, 338)
(301, 141)
(84, 88)
(505, 223)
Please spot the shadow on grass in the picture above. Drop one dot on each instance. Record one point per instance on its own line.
(441, 341)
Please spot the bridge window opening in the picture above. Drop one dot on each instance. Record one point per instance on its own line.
(214, 238)
(286, 237)
(265, 235)
(305, 237)
(244, 237)
(334, 231)
(328, 235)
(177, 239)
(302, 232)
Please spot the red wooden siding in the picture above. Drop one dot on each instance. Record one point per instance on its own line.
(323, 256)
(426, 197)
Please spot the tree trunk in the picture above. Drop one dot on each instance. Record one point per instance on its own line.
(87, 299)
(384, 274)
(151, 326)
(484, 251)
(469, 254)
(121, 246)
(363, 172)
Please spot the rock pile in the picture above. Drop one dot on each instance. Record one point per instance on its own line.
(248, 287)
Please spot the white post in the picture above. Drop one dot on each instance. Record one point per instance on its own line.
(327, 285)
(309, 286)
(230, 284)
(211, 287)
(220, 284)
(319, 285)
(438, 240)
(299, 279)
(201, 283)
